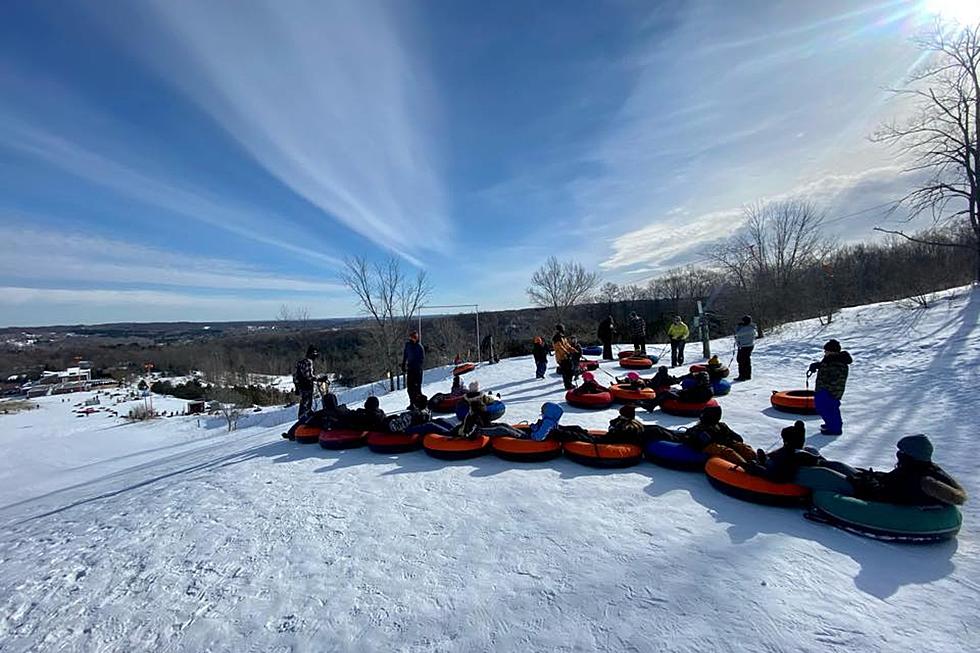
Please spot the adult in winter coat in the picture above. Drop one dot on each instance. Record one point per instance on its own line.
(304, 379)
(606, 333)
(540, 352)
(487, 348)
(413, 358)
(567, 356)
(638, 333)
(829, 389)
(745, 342)
(678, 334)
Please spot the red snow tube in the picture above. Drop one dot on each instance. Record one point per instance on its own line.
(594, 401)
(394, 442)
(640, 363)
(525, 451)
(603, 455)
(736, 482)
(720, 372)
(623, 394)
(445, 404)
(463, 368)
(588, 366)
(307, 434)
(342, 439)
(673, 406)
(627, 353)
(450, 448)
(794, 401)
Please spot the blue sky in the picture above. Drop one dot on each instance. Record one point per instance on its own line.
(214, 160)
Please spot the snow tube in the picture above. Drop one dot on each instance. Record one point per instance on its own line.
(342, 439)
(794, 401)
(886, 521)
(623, 394)
(450, 448)
(721, 372)
(592, 350)
(736, 482)
(603, 455)
(588, 366)
(495, 410)
(680, 408)
(674, 455)
(463, 368)
(394, 442)
(444, 403)
(721, 387)
(525, 451)
(641, 363)
(626, 353)
(307, 434)
(595, 401)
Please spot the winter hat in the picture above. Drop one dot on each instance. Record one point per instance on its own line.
(711, 415)
(474, 386)
(677, 319)
(746, 319)
(312, 352)
(633, 376)
(832, 346)
(538, 340)
(420, 401)
(714, 360)
(917, 447)
(588, 376)
(794, 436)
(413, 336)
(628, 411)
(371, 403)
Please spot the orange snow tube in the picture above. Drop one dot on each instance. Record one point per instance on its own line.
(736, 482)
(794, 401)
(525, 451)
(342, 439)
(627, 353)
(450, 448)
(603, 455)
(394, 442)
(641, 363)
(623, 394)
(307, 434)
(463, 368)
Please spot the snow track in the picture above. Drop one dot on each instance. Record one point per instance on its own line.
(164, 537)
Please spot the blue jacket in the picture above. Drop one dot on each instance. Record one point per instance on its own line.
(414, 355)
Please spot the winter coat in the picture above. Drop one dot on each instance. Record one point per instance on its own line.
(832, 373)
(662, 379)
(638, 327)
(304, 377)
(700, 435)
(696, 394)
(563, 350)
(607, 329)
(540, 353)
(413, 356)
(913, 483)
(782, 464)
(745, 335)
(590, 388)
(623, 426)
(367, 419)
(678, 331)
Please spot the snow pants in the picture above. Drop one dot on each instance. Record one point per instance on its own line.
(735, 453)
(744, 358)
(439, 426)
(607, 354)
(540, 367)
(676, 352)
(640, 344)
(829, 408)
(413, 382)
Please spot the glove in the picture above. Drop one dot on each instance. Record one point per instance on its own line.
(814, 367)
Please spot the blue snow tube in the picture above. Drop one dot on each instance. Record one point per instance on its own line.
(688, 382)
(721, 387)
(495, 410)
(675, 455)
(594, 350)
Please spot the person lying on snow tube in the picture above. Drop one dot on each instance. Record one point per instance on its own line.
(783, 464)
(623, 429)
(633, 381)
(418, 419)
(714, 438)
(698, 391)
(477, 420)
(915, 480)
(716, 371)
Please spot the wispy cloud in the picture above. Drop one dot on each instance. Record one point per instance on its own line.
(328, 96)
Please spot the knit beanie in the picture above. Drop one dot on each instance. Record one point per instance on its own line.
(711, 414)
(917, 447)
(832, 346)
(794, 436)
(628, 411)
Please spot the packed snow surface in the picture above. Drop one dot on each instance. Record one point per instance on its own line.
(168, 537)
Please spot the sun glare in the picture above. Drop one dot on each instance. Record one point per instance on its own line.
(964, 12)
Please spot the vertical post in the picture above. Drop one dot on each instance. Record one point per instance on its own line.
(478, 352)
(703, 327)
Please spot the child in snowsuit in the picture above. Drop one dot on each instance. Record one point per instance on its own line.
(662, 380)
(540, 352)
(715, 438)
(632, 381)
(831, 380)
(625, 427)
(589, 385)
(418, 419)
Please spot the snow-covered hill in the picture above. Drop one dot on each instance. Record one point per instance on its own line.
(166, 537)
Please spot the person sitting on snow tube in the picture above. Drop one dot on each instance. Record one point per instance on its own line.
(633, 381)
(332, 413)
(589, 385)
(662, 380)
(368, 418)
(477, 420)
(713, 437)
(915, 480)
(783, 464)
(716, 371)
(418, 419)
(698, 391)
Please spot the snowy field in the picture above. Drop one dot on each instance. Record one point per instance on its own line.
(167, 537)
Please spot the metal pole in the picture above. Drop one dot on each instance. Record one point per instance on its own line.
(478, 352)
(703, 326)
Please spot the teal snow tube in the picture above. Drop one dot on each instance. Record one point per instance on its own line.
(888, 521)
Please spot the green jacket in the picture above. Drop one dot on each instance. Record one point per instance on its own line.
(678, 331)
(832, 373)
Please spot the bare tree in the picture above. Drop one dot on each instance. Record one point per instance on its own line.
(941, 137)
(607, 294)
(558, 286)
(230, 404)
(390, 298)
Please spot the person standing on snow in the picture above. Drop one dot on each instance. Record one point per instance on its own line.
(829, 389)
(540, 352)
(678, 333)
(564, 356)
(413, 357)
(638, 332)
(606, 333)
(304, 379)
(745, 342)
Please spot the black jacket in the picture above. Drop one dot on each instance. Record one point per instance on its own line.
(540, 353)
(413, 356)
(607, 328)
